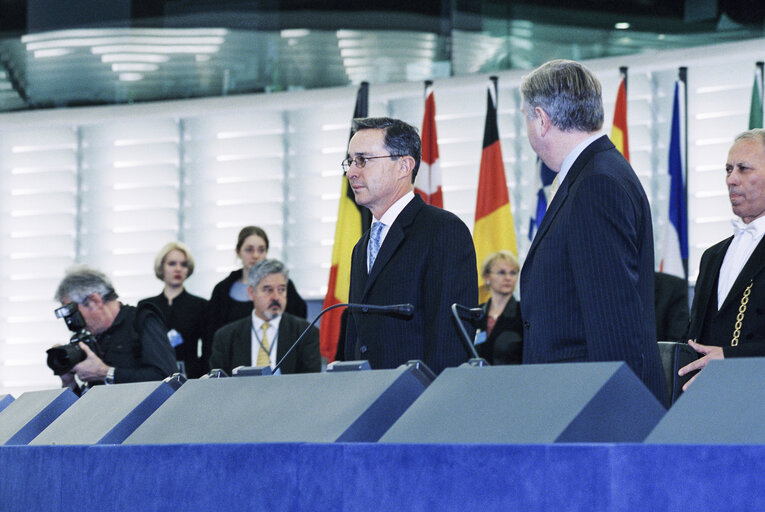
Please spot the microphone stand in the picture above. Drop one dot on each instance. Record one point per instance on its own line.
(474, 358)
(397, 309)
(302, 334)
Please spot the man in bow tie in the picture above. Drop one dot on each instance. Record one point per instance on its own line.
(728, 311)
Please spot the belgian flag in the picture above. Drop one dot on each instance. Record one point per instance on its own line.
(352, 221)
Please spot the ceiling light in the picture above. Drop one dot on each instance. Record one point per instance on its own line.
(133, 66)
(622, 25)
(130, 77)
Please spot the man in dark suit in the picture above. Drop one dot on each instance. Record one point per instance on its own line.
(587, 282)
(671, 304)
(413, 253)
(728, 311)
(265, 336)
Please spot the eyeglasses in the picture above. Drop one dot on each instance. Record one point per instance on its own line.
(361, 161)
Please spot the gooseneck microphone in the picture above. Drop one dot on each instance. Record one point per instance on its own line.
(401, 309)
(395, 309)
(473, 315)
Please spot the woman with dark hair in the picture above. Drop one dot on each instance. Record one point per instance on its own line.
(499, 339)
(185, 314)
(229, 300)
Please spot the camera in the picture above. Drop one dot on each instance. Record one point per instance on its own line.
(63, 358)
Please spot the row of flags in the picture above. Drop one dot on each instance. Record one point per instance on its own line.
(494, 227)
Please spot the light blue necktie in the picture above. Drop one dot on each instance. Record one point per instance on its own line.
(374, 243)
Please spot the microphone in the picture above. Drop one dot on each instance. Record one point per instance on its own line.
(472, 314)
(399, 309)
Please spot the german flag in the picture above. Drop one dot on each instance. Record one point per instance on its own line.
(494, 226)
(351, 219)
(619, 134)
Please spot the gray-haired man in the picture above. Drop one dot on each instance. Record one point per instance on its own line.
(264, 337)
(133, 341)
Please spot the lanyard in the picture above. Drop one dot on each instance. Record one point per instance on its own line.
(260, 339)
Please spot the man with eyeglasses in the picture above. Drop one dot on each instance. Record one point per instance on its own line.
(413, 253)
(133, 341)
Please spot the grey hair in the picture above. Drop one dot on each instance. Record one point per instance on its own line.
(81, 281)
(569, 93)
(266, 268)
(757, 134)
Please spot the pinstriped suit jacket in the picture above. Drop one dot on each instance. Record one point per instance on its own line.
(587, 282)
(428, 260)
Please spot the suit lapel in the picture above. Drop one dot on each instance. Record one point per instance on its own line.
(753, 266)
(242, 344)
(394, 238)
(709, 291)
(284, 342)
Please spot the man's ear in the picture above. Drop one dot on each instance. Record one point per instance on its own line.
(251, 293)
(543, 120)
(95, 300)
(406, 167)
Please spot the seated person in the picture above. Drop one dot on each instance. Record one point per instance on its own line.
(133, 341)
(671, 304)
(499, 338)
(264, 337)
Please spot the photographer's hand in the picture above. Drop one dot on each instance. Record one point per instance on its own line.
(67, 381)
(92, 368)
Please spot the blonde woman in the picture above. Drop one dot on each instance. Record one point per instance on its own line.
(499, 339)
(185, 314)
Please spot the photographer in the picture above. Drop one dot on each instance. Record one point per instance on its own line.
(132, 342)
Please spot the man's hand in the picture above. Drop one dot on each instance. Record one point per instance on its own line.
(708, 352)
(67, 381)
(92, 368)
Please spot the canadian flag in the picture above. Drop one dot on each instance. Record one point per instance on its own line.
(428, 181)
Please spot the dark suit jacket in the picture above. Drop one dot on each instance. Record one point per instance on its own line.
(188, 316)
(427, 260)
(232, 346)
(712, 327)
(587, 282)
(671, 304)
(505, 343)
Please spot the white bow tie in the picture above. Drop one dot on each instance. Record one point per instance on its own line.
(740, 228)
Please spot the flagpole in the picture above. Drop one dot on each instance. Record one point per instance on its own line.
(761, 73)
(623, 73)
(682, 75)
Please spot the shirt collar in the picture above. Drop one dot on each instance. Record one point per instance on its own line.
(395, 209)
(571, 157)
(756, 227)
(257, 322)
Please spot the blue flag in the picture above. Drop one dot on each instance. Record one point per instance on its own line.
(675, 250)
(545, 177)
